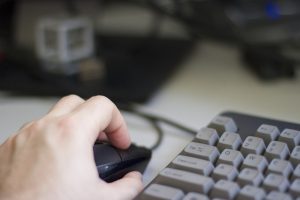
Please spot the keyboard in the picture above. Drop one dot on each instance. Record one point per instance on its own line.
(236, 156)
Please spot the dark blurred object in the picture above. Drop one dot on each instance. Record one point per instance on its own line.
(268, 63)
(245, 21)
(6, 21)
(135, 68)
(260, 27)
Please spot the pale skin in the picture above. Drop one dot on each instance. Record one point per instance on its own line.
(52, 157)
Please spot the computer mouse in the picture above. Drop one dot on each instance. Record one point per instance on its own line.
(113, 163)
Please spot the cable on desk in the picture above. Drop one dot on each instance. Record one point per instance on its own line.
(154, 120)
(159, 132)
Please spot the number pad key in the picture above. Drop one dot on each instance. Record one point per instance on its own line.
(291, 137)
(282, 167)
(253, 145)
(277, 150)
(267, 132)
(229, 140)
(256, 162)
(202, 151)
(231, 157)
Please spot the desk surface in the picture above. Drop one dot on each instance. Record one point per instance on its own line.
(212, 80)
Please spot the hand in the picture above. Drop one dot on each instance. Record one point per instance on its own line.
(52, 158)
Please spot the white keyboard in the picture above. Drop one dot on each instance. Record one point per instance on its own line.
(236, 156)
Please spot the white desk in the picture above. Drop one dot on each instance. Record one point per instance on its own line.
(212, 80)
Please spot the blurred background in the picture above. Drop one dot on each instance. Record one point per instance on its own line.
(127, 49)
(184, 60)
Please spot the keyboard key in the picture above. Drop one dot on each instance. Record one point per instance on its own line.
(296, 173)
(202, 151)
(275, 182)
(187, 181)
(277, 150)
(229, 140)
(207, 136)
(290, 137)
(274, 195)
(195, 196)
(226, 172)
(250, 177)
(162, 192)
(295, 188)
(295, 156)
(222, 124)
(256, 162)
(265, 163)
(196, 165)
(231, 157)
(251, 193)
(267, 132)
(281, 167)
(225, 189)
(253, 145)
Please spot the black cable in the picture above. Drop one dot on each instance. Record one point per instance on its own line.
(159, 132)
(153, 123)
(149, 116)
(154, 120)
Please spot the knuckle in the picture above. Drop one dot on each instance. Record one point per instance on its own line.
(67, 124)
(35, 126)
(72, 97)
(10, 140)
(25, 125)
(103, 100)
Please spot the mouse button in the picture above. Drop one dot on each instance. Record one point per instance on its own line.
(105, 154)
(105, 171)
(134, 152)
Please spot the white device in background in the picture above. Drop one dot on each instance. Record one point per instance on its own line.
(61, 44)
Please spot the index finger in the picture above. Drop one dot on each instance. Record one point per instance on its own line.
(99, 114)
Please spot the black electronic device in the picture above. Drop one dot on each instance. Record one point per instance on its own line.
(129, 68)
(236, 156)
(135, 68)
(112, 163)
(262, 28)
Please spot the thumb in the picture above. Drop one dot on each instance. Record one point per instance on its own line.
(129, 186)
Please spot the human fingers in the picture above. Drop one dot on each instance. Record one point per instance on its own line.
(65, 105)
(26, 125)
(129, 186)
(102, 137)
(98, 114)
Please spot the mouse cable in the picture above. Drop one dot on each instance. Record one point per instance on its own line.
(153, 123)
(154, 120)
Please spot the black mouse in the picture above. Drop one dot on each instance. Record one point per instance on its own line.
(112, 163)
